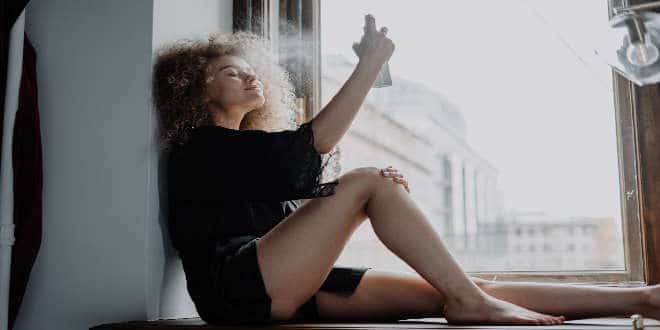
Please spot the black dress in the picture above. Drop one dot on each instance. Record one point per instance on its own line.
(227, 188)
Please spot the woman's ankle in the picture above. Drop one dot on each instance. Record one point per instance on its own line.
(466, 300)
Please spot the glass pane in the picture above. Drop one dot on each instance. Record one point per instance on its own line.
(502, 121)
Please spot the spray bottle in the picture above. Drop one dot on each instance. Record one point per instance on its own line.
(383, 79)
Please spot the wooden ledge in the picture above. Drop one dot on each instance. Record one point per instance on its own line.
(426, 323)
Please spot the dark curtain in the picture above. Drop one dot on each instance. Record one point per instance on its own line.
(26, 161)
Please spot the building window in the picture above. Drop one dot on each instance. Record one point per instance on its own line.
(426, 112)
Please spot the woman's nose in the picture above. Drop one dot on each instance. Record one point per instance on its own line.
(249, 77)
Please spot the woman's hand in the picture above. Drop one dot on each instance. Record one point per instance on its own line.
(374, 48)
(391, 172)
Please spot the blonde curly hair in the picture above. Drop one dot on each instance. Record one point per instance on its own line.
(180, 76)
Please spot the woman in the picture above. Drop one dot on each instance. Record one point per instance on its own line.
(252, 253)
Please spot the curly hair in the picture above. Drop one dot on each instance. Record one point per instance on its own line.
(180, 77)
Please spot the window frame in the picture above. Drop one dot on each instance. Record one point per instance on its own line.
(647, 126)
(637, 133)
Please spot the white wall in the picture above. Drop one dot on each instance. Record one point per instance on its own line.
(174, 19)
(103, 257)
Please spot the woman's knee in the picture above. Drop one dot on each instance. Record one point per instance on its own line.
(370, 178)
(367, 174)
(365, 181)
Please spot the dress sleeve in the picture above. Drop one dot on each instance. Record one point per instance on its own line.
(256, 165)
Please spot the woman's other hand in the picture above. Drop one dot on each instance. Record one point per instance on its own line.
(375, 47)
(392, 173)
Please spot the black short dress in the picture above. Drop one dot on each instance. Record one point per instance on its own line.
(226, 189)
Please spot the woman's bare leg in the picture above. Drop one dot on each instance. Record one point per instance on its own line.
(405, 230)
(296, 256)
(385, 295)
(304, 246)
(577, 301)
(382, 296)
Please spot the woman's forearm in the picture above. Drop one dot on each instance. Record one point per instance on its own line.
(332, 122)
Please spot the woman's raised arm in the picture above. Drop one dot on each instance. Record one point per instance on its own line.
(335, 118)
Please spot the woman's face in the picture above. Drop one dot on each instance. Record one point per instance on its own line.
(232, 85)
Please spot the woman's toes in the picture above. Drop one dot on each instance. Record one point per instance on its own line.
(551, 321)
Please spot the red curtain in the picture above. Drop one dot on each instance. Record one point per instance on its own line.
(26, 161)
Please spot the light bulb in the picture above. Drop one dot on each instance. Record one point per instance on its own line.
(642, 54)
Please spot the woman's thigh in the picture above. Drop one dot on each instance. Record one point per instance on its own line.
(383, 296)
(296, 255)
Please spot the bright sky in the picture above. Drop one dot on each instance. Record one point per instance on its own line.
(537, 102)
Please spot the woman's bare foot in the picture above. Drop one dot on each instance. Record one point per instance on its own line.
(651, 304)
(490, 310)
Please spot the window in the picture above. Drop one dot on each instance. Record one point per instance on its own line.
(534, 157)
(490, 191)
(546, 231)
(547, 247)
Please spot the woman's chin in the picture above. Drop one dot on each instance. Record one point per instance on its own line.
(258, 102)
(255, 106)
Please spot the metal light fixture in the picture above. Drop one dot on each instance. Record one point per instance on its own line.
(633, 46)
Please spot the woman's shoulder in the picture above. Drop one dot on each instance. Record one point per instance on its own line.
(207, 130)
(218, 132)
(211, 135)
(210, 139)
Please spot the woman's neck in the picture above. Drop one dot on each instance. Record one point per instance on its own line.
(226, 119)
